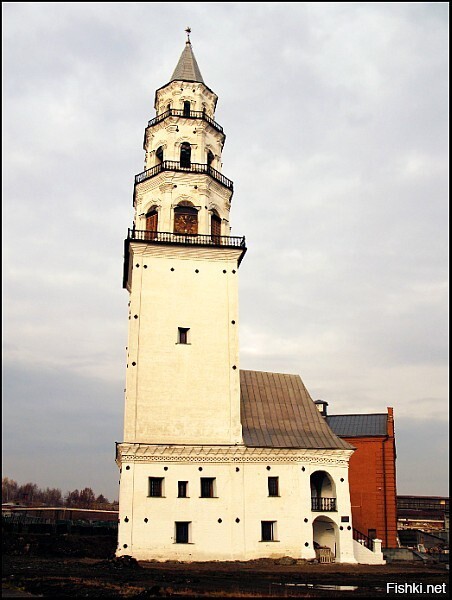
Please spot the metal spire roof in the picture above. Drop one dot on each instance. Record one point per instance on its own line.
(187, 68)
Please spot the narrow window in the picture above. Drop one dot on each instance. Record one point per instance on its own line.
(207, 487)
(215, 228)
(182, 532)
(156, 487)
(372, 533)
(185, 155)
(268, 531)
(186, 108)
(159, 155)
(183, 335)
(273, 486)
(182, 489)
(151, 225)
(210, 157)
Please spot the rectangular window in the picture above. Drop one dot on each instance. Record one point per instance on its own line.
(273, 486)
(207, 487)
(182, 532)
(182, 489)
(268, 531)
(156, 487)
(183, 335)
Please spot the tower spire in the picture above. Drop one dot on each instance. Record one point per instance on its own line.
(187, 68)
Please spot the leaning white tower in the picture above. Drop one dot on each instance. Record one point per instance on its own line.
(216, 463)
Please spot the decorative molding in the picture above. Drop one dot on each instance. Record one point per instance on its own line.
(149, 453)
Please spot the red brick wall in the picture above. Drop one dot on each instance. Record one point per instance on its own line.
(372, 478)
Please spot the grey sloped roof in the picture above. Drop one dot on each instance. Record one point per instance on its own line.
(358, 425)
(278, 412)
(187, 68)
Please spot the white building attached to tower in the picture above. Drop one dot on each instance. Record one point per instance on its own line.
(216, 463)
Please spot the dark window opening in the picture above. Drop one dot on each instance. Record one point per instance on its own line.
(159, 155)
(182, 532)
(268, 531)
(207, 487)
(156, 487)
(186, 108)
(182, 489)
(210, 157)
(185, 155)
(151, 225)
(183, 335)
(273, 486)
(372, 533)
(215, 228)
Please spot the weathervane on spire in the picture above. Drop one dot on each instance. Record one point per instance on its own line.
(188, 31)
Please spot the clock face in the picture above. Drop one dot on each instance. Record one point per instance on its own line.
(186, 224)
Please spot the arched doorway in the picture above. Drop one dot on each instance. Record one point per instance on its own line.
(324, 535)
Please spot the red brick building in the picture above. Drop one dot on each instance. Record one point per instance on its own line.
(372, 473)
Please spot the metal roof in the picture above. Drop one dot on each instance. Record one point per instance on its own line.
(278, 412)
(358, 425)
(187, 68)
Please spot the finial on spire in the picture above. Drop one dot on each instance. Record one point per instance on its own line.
(188, 31)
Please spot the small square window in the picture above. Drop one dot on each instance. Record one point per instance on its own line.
(182, 532)
(268, 531)
(156, 487)
(183, 335)
(182, 489)
(273, 486)
(208, 487)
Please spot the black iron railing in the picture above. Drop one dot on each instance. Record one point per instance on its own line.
(192, 114)
(323, 504)
(363, 539)
(174, 165)
(166, 237)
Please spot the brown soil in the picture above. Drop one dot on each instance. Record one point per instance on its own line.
(67, 566)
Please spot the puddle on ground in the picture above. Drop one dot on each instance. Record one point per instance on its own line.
(339, 588)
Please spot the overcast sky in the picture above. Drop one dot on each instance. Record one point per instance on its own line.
(336, 117)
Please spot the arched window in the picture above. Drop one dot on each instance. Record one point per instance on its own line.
(151, 224)
(186, 108)
(215, 227)
(159, 155)
(185, 155)
(210, 157)
(186, 219)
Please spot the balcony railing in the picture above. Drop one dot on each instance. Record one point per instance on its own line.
(323, 504)
(192, 114)
(166, 237)
(174, 165)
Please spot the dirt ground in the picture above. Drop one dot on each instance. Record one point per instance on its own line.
(68, 566)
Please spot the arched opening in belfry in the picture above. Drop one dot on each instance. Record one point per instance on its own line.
(185, 218)
(210, 157)
(159, 155)
(186, 108)
(151, 224)
(215, 227)
(323, 492)
(185, 155)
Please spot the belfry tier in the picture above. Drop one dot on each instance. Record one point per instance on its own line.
(182, 189)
